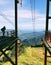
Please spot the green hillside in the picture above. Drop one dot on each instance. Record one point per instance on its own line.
(30, 56)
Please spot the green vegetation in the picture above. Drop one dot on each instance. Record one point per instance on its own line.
(30, 56)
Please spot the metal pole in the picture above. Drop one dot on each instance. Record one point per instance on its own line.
(46, 31)
(45, 57)
(47, 16)
(16, 31)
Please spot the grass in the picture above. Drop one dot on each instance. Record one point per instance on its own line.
(33, 56)
(30, 56)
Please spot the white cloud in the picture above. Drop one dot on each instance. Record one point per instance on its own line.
(3, 2)
(7, 15)
(38, 22)
(40, 16)
(25, 26)
(26, 14)
(4, 22)
(7, 19)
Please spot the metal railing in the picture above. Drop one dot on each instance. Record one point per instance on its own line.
(8, 33)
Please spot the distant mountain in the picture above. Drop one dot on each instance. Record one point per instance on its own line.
(29, 38)
(31, 35)
(26, 42)
(32, 38)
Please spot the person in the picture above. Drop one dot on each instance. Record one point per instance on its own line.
(3, 30)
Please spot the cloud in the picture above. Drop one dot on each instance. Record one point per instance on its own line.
(25, 26)
(40, 16)
(40, 21)
(4, 22)
(7, 19)
(7, 15)
(3, 2)
(9, 12)
(27, 14)
(24, 14)
(37, 23)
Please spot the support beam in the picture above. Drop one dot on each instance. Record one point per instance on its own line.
(49, 56)
(8, 57)
(49, 0)
(16, 31)
(47, 14)
(46, 31)
(49, 17)
(45, 58)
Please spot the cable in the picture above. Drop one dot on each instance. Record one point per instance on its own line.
(4, 16)
(33, 13)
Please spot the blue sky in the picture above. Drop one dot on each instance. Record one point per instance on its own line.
(25, 12)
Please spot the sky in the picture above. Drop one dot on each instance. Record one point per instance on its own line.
(31, 15)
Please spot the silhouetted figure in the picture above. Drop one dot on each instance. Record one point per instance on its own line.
(3, 30)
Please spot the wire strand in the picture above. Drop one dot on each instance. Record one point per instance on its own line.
(4, 16)
(33, 13)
